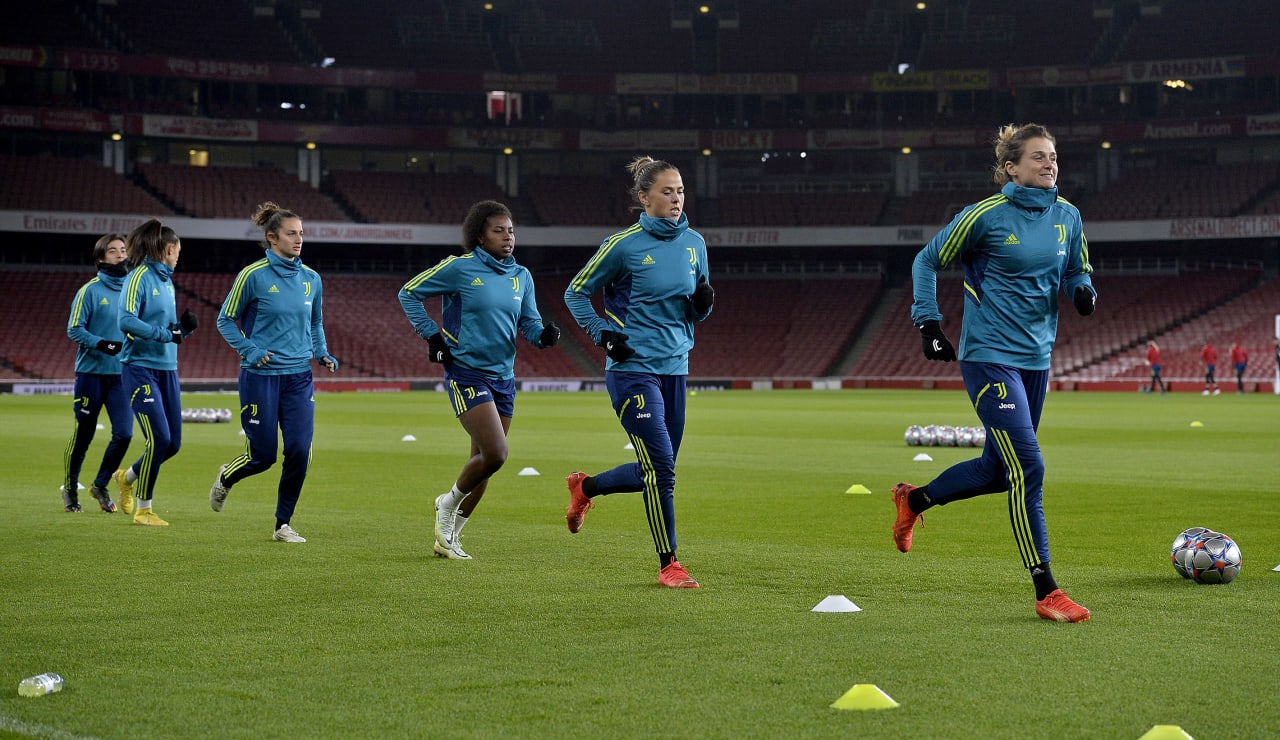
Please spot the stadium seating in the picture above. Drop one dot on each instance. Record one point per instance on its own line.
(1178, 31)
(405, 197)
(235, 192)
(763, 327)
(187, 29)
(64, 184)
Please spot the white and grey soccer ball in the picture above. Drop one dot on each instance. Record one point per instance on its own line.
(947, 436)
(914, 435)
(1184, 548)
(964, 436)
(1215, 558)
(979, 436)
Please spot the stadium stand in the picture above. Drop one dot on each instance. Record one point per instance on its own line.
(572, 53)
(234, 192)
(64, 184)
(406, 197)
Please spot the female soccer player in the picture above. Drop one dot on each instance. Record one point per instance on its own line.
(278, 303)
(487, 301)
(654, 278)
(148, 317)
(1019, 247)
(94, 328)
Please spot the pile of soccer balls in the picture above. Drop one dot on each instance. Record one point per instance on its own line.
(1205, 556)
(945, 436)
(219, 416)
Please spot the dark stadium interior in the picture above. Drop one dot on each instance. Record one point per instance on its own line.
(863, 116)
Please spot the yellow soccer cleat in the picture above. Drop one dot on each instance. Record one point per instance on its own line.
(148, 517)
(126, 491)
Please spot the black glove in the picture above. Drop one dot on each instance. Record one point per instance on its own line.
(108, 347)
(936, 346)
(176, 335)
(550, 335)
(703, 296)
(615, 345)
(1085, 300)
(188, 322)
(440, 353)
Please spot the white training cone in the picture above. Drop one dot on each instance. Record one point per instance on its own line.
(836, 603)
(922, 457)
(408, 438)
(528, 471)
(629, 446)
(1276, 568)
(100, 427)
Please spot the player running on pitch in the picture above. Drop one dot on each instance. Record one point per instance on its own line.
(1019, 247)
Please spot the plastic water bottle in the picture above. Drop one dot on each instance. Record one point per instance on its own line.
(45, 683)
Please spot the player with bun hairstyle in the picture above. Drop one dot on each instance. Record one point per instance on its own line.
(1019, 248)
(148, 316)
(487, 301)
(653, 275)
(93, 326)
(274, 319)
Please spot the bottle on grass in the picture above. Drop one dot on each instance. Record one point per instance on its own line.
(45, 683)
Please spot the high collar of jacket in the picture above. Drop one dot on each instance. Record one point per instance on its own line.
(1031, 198)
(161, 269)
(285, 268)
(500, 266)
(664, 228)
(112, 275)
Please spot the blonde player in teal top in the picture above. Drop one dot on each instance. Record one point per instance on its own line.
(273, 318)
(487, 301)
(1019, 248)
(653, 275)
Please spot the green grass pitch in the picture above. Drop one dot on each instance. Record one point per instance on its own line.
(207, 628)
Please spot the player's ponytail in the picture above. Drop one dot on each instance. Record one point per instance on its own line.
(149, 242)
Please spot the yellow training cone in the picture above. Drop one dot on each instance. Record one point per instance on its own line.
(1194, 424)
(1166, 732)
(858, 488)
(865, 696)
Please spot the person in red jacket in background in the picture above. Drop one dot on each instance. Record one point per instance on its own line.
(1153, 361)
(1239, 358)
(1209, 356)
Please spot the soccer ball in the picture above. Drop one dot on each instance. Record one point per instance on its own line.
(947, 436)
(1183, 548)
(914, 435)
(930, 436)
(1206, 556)
(1216, 559)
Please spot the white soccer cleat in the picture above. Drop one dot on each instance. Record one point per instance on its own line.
(444, 523)
(286, 534)
(452, 553)
(218, 494)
